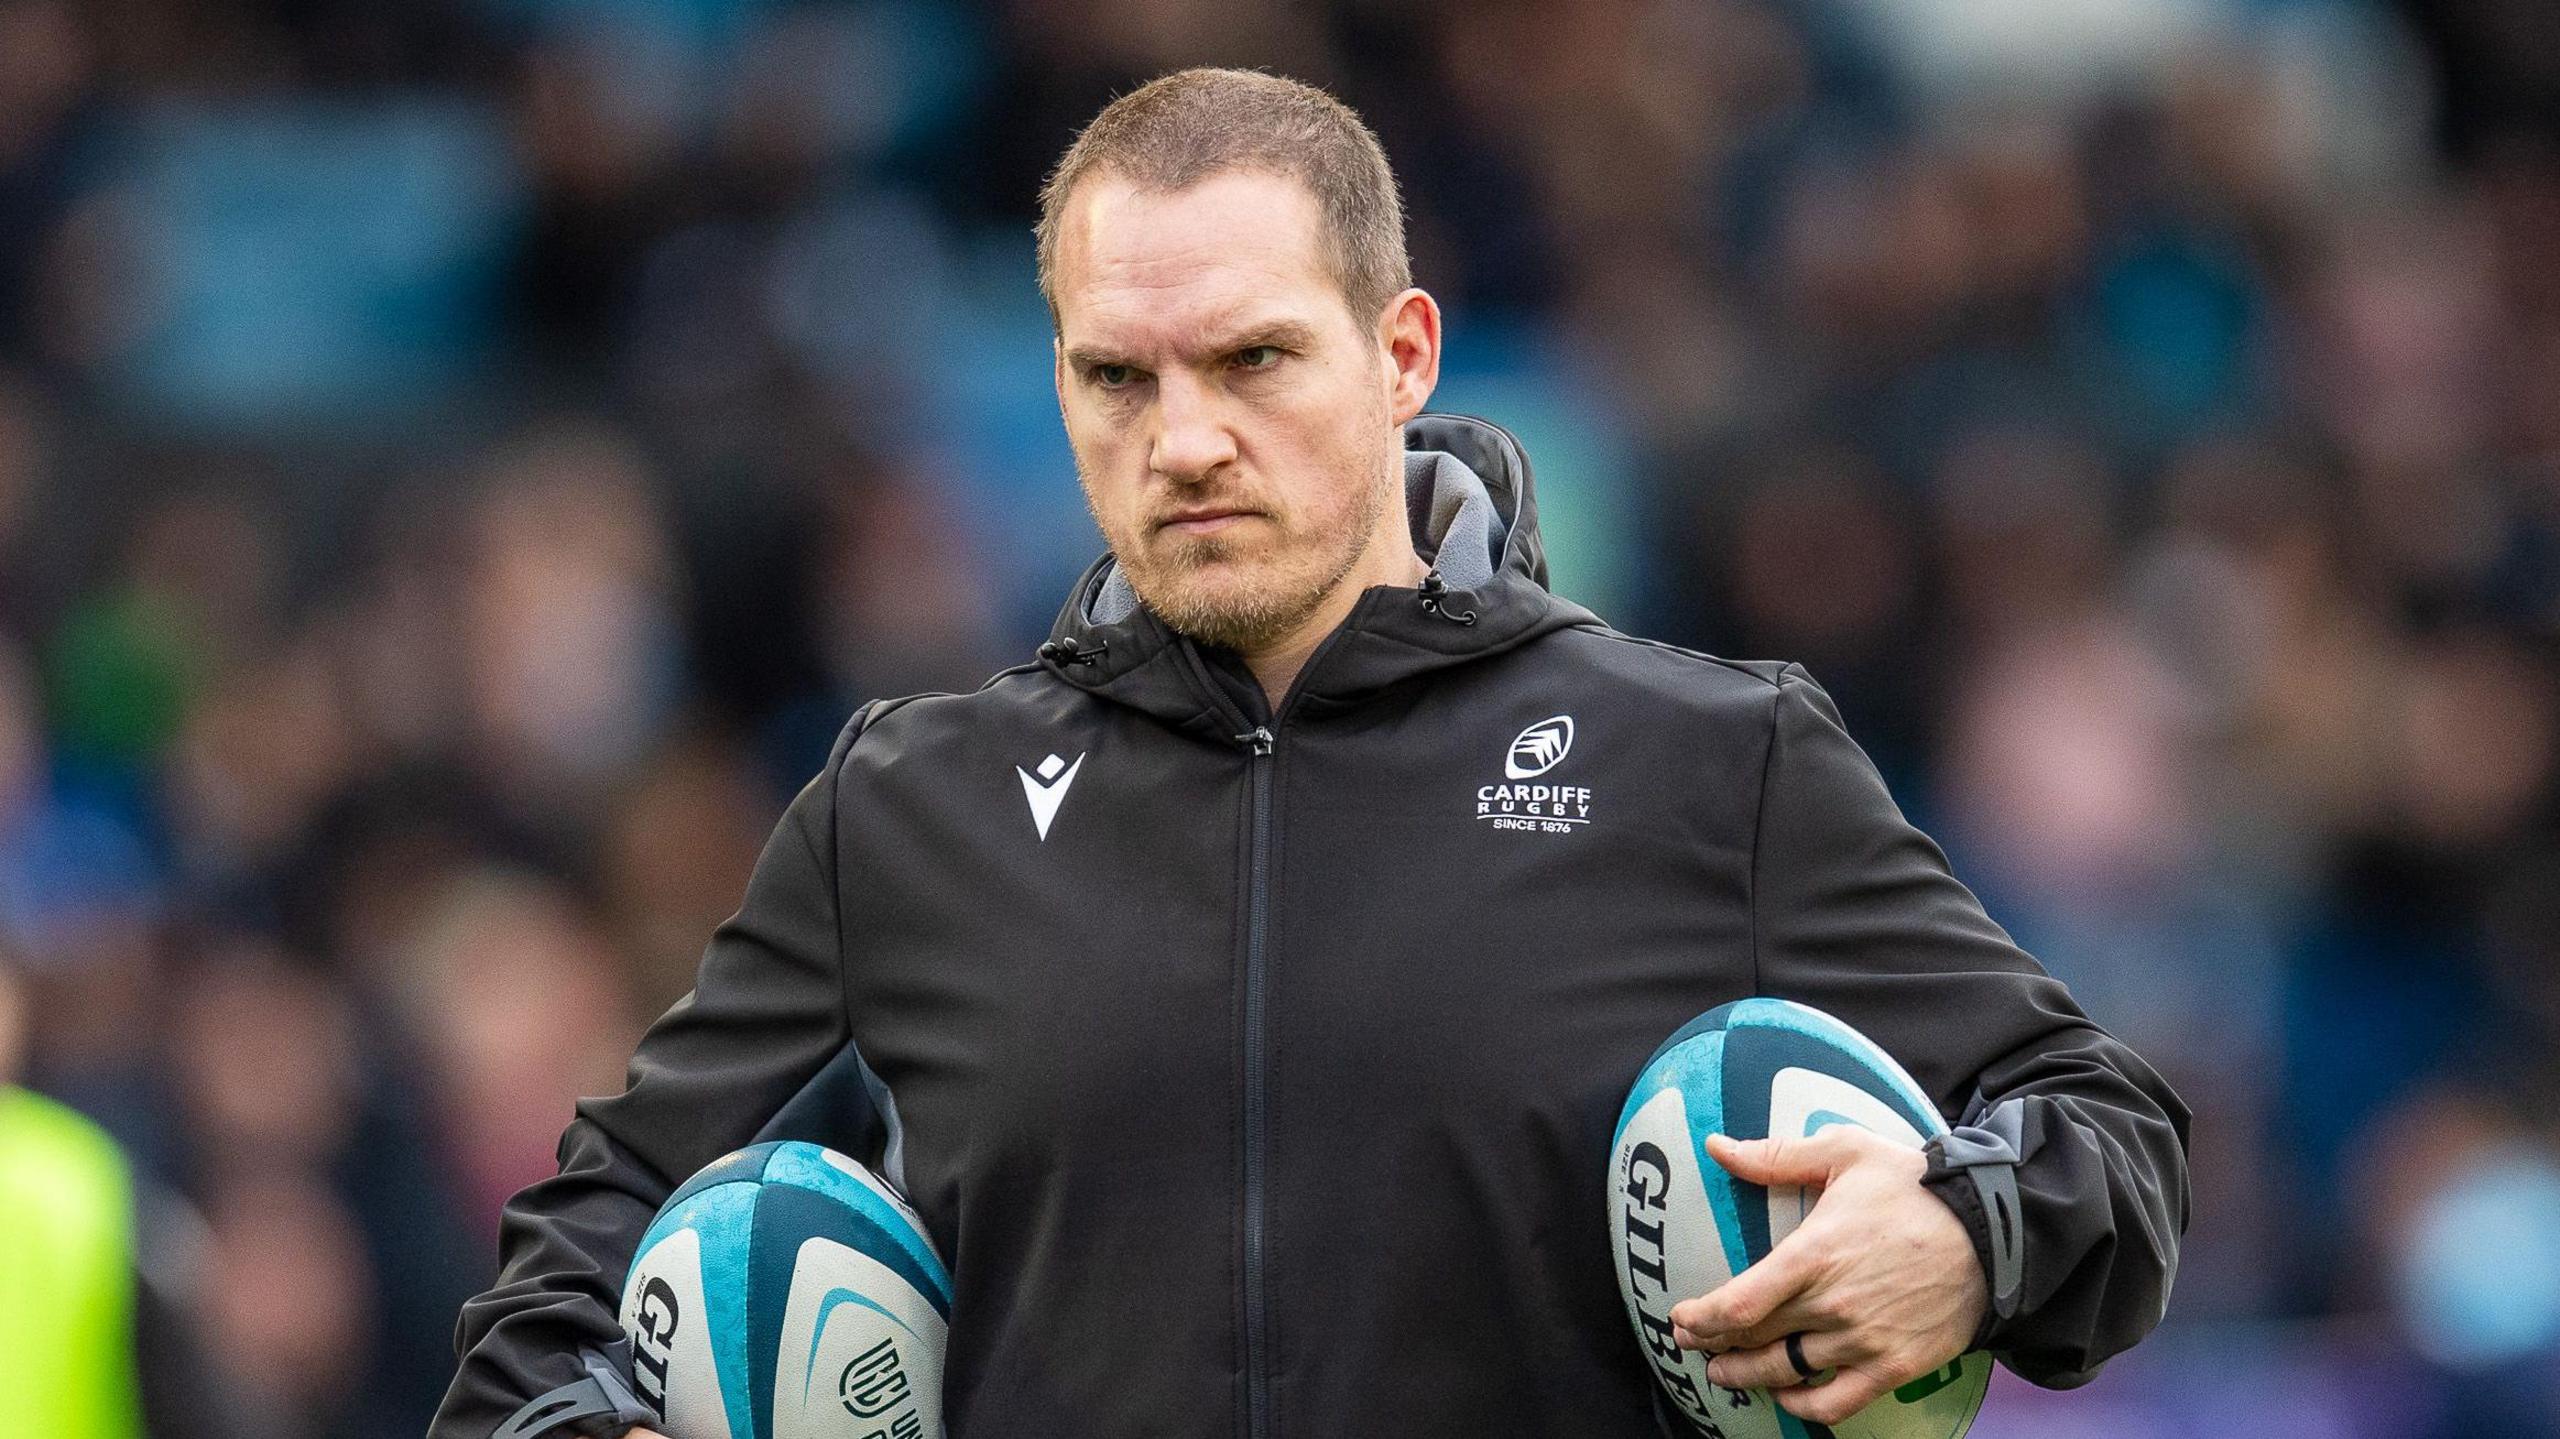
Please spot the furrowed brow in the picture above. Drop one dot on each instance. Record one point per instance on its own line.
(1086, 357)
(1284, 334)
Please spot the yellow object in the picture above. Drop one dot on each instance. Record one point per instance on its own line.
(66, 1277)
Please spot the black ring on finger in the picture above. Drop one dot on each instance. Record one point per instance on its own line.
(1795, 1356)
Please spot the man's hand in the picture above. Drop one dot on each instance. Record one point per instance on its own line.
(1880, 1279)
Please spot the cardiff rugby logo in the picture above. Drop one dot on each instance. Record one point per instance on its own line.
(1540, 748)
(1536, 808)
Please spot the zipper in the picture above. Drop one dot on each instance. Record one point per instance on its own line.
(1261, 746)
(1262, 749)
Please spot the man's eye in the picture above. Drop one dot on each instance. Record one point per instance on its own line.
(1113, 377)
(1258, 357)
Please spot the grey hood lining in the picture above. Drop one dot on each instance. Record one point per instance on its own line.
(1458, 529)
(1462, 533)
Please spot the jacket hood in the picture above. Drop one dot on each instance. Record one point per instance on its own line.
(1474, 518)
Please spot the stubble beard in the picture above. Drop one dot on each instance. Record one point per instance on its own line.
(1251, 612)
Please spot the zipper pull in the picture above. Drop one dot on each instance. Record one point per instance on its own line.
(1258, 738)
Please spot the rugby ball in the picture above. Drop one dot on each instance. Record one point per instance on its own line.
(786, 1292)
(1679, 1225)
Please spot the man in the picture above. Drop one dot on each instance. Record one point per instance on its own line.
(66, 1310)
(99, 1293)
(1244, 993)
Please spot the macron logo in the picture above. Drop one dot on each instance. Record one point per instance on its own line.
(1049, 790)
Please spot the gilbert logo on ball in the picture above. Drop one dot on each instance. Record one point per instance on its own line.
(1679, 1225)
(786, 1292)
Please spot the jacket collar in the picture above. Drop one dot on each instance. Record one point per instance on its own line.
(1474, 518)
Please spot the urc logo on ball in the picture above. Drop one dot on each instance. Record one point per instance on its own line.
(875, 1383)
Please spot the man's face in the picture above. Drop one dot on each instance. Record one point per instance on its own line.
(1208, 366)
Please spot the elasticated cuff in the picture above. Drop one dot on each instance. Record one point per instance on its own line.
(1973, 1170)
(600, 1406)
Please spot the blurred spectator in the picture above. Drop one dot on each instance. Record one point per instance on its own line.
(103, 1311)
(566, 620)
(67, 1312)
(515, 996)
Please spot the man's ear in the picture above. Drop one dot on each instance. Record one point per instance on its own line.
(1409, 342)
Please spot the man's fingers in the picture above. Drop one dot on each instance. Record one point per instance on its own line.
(1785, 1159)
(1751, 1296)
(1850, 1390)
(1768, 1366)
(1796, 1316)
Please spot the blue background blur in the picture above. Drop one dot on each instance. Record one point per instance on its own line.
(461, 459)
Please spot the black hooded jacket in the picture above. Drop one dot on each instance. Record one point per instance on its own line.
(1256, 1072)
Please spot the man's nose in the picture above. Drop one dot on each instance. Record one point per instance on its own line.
(1192, 438)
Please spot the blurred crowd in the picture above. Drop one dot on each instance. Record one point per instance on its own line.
(460, 461)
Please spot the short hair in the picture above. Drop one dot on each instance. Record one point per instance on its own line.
(1182, 128)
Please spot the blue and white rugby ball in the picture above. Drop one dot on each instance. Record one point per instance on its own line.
(785, 1292)
(1680, 1225)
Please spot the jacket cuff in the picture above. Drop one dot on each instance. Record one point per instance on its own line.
(1973, 1170)
(600, 1406)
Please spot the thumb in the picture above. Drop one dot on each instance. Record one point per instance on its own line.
(1778, 1160)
